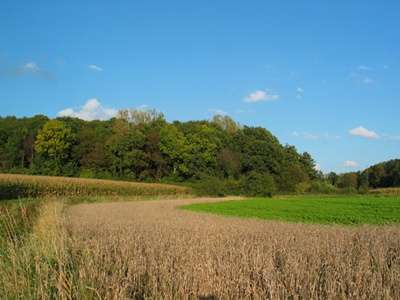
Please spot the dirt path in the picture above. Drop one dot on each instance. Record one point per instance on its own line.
(151, 249)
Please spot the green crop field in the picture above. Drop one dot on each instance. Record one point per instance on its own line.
(349, 210)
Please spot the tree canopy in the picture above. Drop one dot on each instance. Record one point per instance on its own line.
(142, 145)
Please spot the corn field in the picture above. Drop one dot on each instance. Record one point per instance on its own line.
(22, 186)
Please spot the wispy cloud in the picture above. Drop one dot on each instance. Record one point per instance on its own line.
(29, 68)
(362, 75)
(95, 68)
(315, 136)
(91, 110)
(261, 96)
(363, 132)
(350, 164)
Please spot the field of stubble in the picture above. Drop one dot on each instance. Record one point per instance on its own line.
(139, 250)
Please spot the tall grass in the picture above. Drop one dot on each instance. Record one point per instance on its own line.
(22, 186)
(29, 248)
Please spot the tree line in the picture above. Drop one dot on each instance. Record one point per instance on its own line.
(381, 175)
(141, 145)
(216, 156)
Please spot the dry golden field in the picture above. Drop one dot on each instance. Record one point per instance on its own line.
(142, 250)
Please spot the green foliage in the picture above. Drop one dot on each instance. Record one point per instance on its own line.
(348, 181)
(322, 187)
(210, 186)
(256, 184)
(350, 210)
(226, 123)
(53, 145)
(141, 145)
(386, 174)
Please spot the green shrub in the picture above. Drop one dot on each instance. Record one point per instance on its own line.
(87, 173)
(303, 187)
(209, 186)
(322, 187)
(256, 184)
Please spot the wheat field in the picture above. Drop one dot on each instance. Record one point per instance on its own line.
(151, 250)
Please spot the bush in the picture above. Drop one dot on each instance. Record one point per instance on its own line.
(209, 186)
(303, 187)
(322, 187)
(87, 173)
(256, 184)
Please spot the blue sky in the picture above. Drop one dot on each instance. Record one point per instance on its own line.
(321, 75)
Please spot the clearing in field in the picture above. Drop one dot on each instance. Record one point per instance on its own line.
(311, 209)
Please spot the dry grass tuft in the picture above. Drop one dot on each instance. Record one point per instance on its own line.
(386, 191)
(142, 250)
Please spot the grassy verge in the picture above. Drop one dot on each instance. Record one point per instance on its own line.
(349, 210)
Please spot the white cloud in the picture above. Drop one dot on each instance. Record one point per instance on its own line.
(364, 132)
(95, 68)
(350, 164)
(31, 66)
(261, 96)
(33, 69)
(317, 167)
(92, 110)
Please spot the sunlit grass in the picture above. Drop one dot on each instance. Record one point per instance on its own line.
(311, 209)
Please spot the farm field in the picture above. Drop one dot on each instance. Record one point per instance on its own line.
(17, 186)
(364, 209)
(168, 248)
(154, 250)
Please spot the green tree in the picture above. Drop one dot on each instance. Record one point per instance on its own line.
(226, 123)
(348, 181)
(53, 144)
(175, 147)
